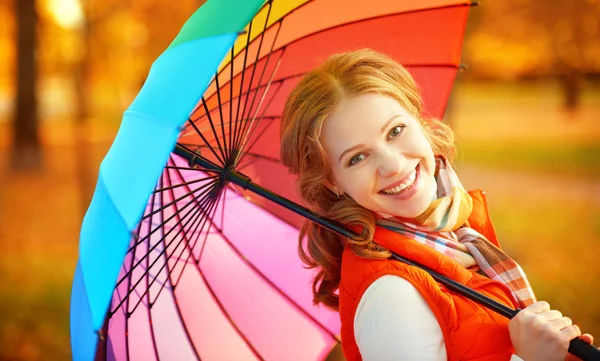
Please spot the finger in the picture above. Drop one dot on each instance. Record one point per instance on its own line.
(539, 307)
(552, 315)
(587, 338)
(571, 332)
(560, 324)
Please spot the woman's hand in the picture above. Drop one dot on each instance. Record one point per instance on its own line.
(539, 333)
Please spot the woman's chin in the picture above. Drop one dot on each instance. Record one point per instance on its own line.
(408, 209)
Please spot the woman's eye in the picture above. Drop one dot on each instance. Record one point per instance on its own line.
(396, 131)
(356, 159)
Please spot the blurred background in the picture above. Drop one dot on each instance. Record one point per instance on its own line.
(526, 112)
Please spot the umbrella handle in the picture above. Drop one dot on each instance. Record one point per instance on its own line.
(584, 350)
(578, 347)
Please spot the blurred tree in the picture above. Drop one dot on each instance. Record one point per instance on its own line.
(26, 152)
(527, 38)
(7, 48)
(573, 29)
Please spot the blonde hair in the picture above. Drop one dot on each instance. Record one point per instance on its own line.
(316, 96)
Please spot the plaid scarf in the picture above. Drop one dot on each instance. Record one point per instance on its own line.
(444, 227)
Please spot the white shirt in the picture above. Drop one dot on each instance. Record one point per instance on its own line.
(394, 322)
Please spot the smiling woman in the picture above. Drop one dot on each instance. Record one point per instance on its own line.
(353, 132)
(391, 169)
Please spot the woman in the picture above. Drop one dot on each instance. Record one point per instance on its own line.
(352, 131)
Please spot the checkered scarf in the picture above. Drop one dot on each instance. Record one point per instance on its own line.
(444, 227)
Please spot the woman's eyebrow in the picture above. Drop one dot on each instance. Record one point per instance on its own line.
(362, 145)
(358, 146)
(389, 121)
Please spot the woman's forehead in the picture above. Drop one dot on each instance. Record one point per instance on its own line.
(363, 113)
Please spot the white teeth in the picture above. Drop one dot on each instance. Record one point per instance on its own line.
(407, 183)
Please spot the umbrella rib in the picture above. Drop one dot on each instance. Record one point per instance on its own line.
(239, 100)
(257, 88)
(198, 234)
(257, 59)
(266, 90)
(262, 37)
(262, 132)
(244, 166)
(247, 129)
(215, 298)
(201, 118)
(208, 184)
(189, 168)
(264, 157)
(212, 126)
(221, 114)
(184, 184)
(104, 343)
(129, 285)
(222, 160)
(198, 149)
(268, 281)
(195, 214)
(212, 208)
(215, 168)
(147, 237)
(222, 211)
(182, 178)
(243, 154)
(201, 206)
(213, 200)
(181, 320)
(147, 276)
(231, 64)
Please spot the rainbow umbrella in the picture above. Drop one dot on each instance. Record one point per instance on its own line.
(188, 249)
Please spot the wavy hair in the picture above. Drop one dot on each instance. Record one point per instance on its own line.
(315, 97)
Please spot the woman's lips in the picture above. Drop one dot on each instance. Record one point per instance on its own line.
(408, 191)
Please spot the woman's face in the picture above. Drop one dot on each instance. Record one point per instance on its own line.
(380, 156)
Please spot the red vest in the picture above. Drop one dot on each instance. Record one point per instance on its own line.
(471, 332)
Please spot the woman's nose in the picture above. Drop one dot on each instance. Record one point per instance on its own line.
(391, 163)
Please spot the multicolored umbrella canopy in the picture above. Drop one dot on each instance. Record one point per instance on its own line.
(181, 255)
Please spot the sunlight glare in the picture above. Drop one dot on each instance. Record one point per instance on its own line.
(67, 13)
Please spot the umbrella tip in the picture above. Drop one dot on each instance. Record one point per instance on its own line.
(474, 3)
(463, 67)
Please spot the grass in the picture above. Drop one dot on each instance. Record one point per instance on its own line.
(573, 159)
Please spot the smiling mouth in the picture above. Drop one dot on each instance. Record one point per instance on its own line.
(402, 185)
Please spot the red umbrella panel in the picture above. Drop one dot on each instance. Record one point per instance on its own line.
(427, 40)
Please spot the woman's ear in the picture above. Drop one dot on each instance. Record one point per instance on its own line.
(333, 188)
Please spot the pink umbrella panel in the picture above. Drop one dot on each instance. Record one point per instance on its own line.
(246, 288)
